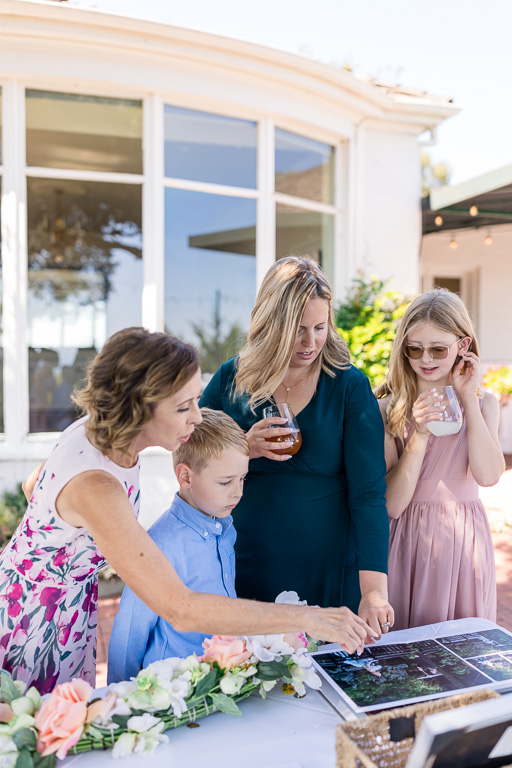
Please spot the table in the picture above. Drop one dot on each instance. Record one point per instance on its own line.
(281, 732)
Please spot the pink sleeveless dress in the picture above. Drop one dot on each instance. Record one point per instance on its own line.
(441, 556)
(49, 574)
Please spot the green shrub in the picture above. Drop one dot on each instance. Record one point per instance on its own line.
(499, 382)
(12, 508)
(368, 320)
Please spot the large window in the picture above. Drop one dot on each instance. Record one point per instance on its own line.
(305, 192)
(219, 197)
(84, 242)
(210, 238)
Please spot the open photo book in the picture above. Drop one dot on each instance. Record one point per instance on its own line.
(416, 665)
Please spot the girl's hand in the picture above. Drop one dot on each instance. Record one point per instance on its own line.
(259, 444)
(466, 376)
(425, 409)
(375, 609)
(339, 625)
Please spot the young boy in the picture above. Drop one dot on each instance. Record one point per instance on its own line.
(196, 535)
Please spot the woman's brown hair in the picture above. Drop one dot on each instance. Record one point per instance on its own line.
(135, 370)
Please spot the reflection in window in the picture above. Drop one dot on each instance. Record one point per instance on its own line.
(305, 233)
(212, 148)
(210, 271)
(84, 283)
(93, 133)
(304, 167)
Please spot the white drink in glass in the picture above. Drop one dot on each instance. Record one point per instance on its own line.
(451, 418)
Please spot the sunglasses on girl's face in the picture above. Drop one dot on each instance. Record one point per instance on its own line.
(436, 352)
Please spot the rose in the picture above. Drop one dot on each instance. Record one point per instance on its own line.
(60, 721)
(296, 640)
(226, 651)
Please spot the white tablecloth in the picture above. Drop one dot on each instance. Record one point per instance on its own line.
(281, 732)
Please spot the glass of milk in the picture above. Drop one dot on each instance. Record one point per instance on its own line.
(451, 418)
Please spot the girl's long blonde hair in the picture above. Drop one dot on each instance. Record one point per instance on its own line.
(447, 312)
(286, 289)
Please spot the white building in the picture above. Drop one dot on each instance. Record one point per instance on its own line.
(151, 174)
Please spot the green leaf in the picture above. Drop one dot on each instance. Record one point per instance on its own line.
(121, 720)
(206, 684)
(225, 704)
(50, 761)
(24, 759)
(25, 737)
(8, 690)
(273, 670)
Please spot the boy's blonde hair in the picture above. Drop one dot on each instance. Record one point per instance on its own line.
(438, 307)
(209, 440)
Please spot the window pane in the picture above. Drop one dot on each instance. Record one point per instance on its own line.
(84, 283)
(305, 233)
(210, 271)
(212, 148)
(304, 167)
(90, 133)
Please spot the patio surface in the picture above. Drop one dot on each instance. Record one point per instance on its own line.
(498, 503)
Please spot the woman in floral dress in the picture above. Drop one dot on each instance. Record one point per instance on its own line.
(142, 390)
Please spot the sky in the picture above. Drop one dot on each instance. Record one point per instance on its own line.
(455, 48)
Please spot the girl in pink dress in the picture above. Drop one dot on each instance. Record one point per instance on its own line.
(441, 558)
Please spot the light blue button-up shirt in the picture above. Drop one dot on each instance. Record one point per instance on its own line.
(201, 550)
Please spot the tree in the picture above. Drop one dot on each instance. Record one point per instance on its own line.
(432, 174)
(367, 320)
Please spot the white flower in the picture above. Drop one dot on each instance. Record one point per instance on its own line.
(290, 598)
(8, 752)
(194, 668)
(142, 723)
(268, 647)
(125, 745)
(165, 669)
(231, 684)
(122, 689)
(21, 686)
(21, 721)
(23, 706)
(303, 674)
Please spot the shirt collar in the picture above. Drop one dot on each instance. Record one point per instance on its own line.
(204, 525)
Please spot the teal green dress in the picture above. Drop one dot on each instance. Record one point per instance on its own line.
(310, 523)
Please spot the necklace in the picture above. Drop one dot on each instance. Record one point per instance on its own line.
(293, 385)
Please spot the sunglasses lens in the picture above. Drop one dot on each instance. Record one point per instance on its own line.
(413, 352)
(438, 353)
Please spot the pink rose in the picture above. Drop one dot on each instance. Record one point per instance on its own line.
(101, 708)
(226, 651)
(60, 721)
(6, 713)
(296, 640)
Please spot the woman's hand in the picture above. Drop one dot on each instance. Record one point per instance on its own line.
(259, 444)
(339, 625)
(375, 609)
(426, 408)
(466, 376)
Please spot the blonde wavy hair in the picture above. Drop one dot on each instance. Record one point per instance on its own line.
(446, 311)
(286, 289)
(209, 440)
(135, 370)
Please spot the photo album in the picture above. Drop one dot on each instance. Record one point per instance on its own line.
(408, 672)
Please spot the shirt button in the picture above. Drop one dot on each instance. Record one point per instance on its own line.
(217, 525)
(205, 533)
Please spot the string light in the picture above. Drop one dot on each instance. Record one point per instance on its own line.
(439, 221)
(488, 240)
(453, 244)
(473, 210)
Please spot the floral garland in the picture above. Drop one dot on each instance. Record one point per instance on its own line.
(133, 715)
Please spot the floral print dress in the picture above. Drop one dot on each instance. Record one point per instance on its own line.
(49, 574)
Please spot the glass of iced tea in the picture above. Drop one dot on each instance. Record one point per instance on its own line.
(283, 411)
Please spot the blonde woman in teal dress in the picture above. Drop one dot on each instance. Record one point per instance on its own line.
(142, 390)
(314, 522)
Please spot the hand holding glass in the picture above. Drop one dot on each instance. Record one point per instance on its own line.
(450, 420)
(283, 410)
